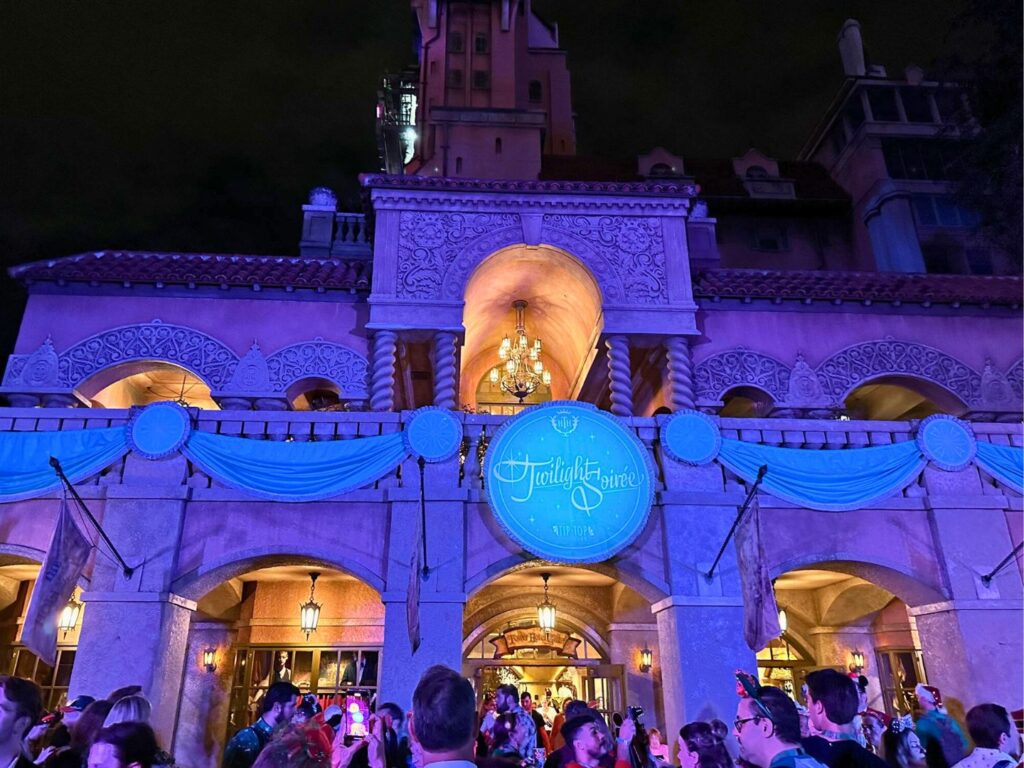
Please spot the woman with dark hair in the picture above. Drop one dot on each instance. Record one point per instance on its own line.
(515, 737)
(901, 746)
(701, 746)
(124, 745)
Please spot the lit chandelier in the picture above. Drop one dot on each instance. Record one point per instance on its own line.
(522, 370)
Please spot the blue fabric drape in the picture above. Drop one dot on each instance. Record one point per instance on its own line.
(25, 469)
(833, 481)
(295, 471)
(1004, 462)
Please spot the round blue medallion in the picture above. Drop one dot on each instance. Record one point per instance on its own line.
(691, 437)
(568, 482)
(433, 433)
(159, 430)
(946, 442)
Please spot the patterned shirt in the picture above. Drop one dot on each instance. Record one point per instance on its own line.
(984, 757)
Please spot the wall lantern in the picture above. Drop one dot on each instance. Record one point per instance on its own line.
(783, 621)
(857, 662)
(309, 613)
(210, 659)
(69, 614)
(646, 659)
(546, 610)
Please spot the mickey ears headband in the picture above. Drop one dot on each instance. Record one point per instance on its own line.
(747, 687)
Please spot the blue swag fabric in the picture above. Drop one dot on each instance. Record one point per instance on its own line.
(295, 471)
(1004, 462)
(25, 469)
(832, 481)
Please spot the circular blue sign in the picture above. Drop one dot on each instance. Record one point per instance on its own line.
(568, 482)
(433, 433)
(158, 430)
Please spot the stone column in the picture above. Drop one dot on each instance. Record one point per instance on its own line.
(890, 223)
(619, 378)
(206, 696)
(445, 372)
(382, 386)
(680, 372)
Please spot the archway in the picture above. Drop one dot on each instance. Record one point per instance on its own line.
(746, 403)
(563, 310)
(142, 382)
(901, 398)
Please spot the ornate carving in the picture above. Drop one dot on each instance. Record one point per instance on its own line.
(444, 370)
(430, 242)
(740, 367)
(1015, 377)
(680, 372)
(341, 365)
(382, 396)
(251, 373)
(863, 362)
(37, 370)
(804, 387)
(995, 389)
(662, 186)
(208, 358)
(620, 381)
(632, 245)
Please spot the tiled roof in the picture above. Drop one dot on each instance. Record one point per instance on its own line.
(862, 287)
(195, 269)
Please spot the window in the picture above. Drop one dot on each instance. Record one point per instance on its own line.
(770, 237)
(660, 170)
(898, 672)
(497, 146)
(481, 79)
(883, 104)
(536, 92)
(757, 172)
(480, 43)
(854, 112)
(455, 78)
(455, 43)
(52, 680)
(916, 105)
(923, 159)
(942, 211)
(458, 165)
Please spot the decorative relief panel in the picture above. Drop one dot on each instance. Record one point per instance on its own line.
(741, 367)
(1015, 377)
(323, 359)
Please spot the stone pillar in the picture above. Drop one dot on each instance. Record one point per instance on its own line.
(382, 386)
(892, 230)
(445, 372)
(701, 645)
(619, 378)
(205, 697)
(135, 630)
(680, 372)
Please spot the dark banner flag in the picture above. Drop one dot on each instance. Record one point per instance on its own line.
(760, 612)
(61, 569)
(412, 597)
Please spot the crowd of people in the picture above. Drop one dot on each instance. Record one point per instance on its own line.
(834, 730)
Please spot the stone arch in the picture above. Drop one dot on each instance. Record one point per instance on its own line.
(860, 363)
(19, 554)
(202, 354)
(320, 359)
(739, 367)
(577, 625)
(196, 583)
(911, 587)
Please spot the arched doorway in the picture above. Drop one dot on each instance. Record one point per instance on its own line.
(144, 382)
(563, 310)
(900, 398)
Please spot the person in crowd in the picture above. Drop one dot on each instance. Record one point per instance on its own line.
(557, 742)
(134, 708)
(333, 716)
(278, 706)
(83, 734)
(442, 724)
(71, 711)
(515, 740)
(832, 703)
(297, 745)
(124, 745)
(396, 742)
(767, 728)
(941, 736)
(585, 738)
(874, 724)
(700, 746)
(488, 713)
(658, 749)
(127, 690)
(21, 706)
(565, 753)
(506, 698)
(900, 745)
(549, 711)
(994, 737)
(540, 732)
(307, 708)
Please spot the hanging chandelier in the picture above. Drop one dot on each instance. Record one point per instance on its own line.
(309, 613)
(546, 610)
(522, 371)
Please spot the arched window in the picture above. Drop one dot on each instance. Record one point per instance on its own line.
(480, 43)
(746, 403)
(660, 169)
(148, 382)
(757, 172)
(900, 398)
(536, 91)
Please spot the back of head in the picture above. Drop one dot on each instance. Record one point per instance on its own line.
(702, 739)
(390, 708)
(783, 712)
(575, 708)
(444, 710)
(298, 745)
(134, 743)
(573, 725)
(987, 723)
(130, 709)
(120, 693)
(836, 692)
(89, 723)
(278, 693)
(26, 698)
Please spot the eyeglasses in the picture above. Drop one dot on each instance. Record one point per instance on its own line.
(739, 721)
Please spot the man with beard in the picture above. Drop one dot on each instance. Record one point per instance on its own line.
(278, 706)
(767, 727)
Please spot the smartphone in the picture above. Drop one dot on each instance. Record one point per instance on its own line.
(358, 716)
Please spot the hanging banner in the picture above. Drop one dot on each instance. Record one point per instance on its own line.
(568, 482)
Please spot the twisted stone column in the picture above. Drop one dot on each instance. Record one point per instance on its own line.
(444, 370)
(382, 382)
(619, 378)
(680, 372)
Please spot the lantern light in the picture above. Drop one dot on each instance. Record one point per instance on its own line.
(646, 659)
(309, 613)
(783, 621)
(210, 659)
(69, 614)
(546, 610)
(858, 662)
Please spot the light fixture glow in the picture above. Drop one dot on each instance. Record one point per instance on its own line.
(69, 614)
(524, 369)
(646, 659)
(309, 613)
(210, 659)
(857, 664)
(546, 610)
(783, 621)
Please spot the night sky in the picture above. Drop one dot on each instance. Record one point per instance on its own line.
(202, 125)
